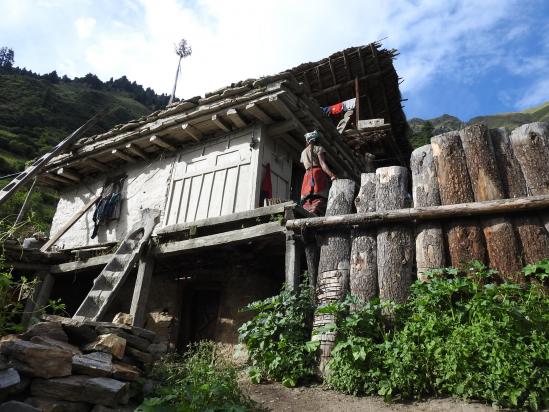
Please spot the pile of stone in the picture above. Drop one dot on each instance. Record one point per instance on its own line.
(62, 364)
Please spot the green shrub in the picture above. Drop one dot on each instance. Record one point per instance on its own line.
(201, 380)
(277, 337)
(459, 334)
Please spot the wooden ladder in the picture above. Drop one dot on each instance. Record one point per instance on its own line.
(108, 283)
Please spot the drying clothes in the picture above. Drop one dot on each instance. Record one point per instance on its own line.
(336, 108)
(266, 191)
(107, 208)
(349, 104)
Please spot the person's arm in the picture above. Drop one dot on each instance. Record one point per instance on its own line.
(324, 166)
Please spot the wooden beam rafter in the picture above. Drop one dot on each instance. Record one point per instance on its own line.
(236, 118)
(136, 150)
(95, 164)
(258, 113)
(192, 131)
(219, 122)
(161, 143)
(68, 174)
(121, 155)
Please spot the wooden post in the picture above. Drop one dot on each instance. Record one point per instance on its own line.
(312, 256)
(464, 237)
(531, 146)
(357, 101)
(430, 252)
(142, 288)
(501, 243)
(39, 298)
(293, 260)
(394, 242)
(363, 275)
(333, 267)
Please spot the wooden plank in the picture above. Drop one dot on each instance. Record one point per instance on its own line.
(292, 260)
(91, 263)
(281, 128)
(64, 172)
(271, 229)
(236, 119)
(142, 289)
(161, 143)
(258, 113)
(95, 164)
(121, 155)
(136, 150)
(219, 122)
(233, 217)
(59, 178)
(192, 131)
(431, 213)
(69, 224)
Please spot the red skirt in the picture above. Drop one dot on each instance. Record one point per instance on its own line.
(314, 190)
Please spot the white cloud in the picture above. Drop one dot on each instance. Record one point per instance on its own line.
(535, 94)
(84, 26)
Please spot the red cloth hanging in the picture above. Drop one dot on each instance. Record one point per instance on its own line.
(336, 108)
(266, 185)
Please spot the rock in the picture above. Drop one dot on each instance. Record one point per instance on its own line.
(55, 405)
(123, 318)
(145, 359)
(131, 340)
(8, 379)
(93, 364)
(20, 387)
(46, 341)
(143, 333)
(160, 323)
(38, 360)
(15, 406)
(109, 343)
(52, 330)
(78, 332)
(101, 408)
(3, 363)
(158, 349)
(125, 372)
(79, 388)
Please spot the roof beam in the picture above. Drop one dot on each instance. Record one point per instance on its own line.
(68, 174)
(281, 127)
(258, 113)
(236, 119)
(121, 155)
(59, 178)
(95, 164)
(136, 150)
(192, 131)
(161, 143)
(219, 122)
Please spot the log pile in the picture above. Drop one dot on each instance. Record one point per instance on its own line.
(61, 364)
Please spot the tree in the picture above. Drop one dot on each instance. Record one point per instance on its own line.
(183, 49)
(6, 57)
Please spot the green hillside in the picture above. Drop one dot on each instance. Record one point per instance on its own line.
(37, 111)
(422, 130)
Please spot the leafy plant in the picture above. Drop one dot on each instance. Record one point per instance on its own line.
(460, 334)
(277, 338)
(200, 380)
(539, 271)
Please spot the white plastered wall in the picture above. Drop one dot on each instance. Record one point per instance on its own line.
(146, 186)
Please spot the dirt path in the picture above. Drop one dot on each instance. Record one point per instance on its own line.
(275, 397)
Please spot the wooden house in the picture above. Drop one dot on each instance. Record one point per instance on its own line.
(218, 241)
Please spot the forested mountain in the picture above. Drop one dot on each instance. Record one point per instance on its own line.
(422, 130)
(37, 111)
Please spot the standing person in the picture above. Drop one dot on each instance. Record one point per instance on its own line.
(316, 182)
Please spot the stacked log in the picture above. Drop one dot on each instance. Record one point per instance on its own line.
(533, 238)
(501, 243)
(430, 253)
(363, 275)
(531, 146)
(463, 236)
(334, 264)
(64, 364)
(394, 242)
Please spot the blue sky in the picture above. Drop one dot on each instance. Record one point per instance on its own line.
(464, 58)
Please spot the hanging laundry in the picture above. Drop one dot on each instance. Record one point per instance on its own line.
(266, 191)
(349, 104)
(336, 108)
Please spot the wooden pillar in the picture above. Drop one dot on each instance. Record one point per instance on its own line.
(430, 252)
(293, 260)
(394, 242)
(531, 146)
(40, 297)
(363, 274)
(501, 243)
(464, 237)
(142, 289)
(333, 266)
(312, 256)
